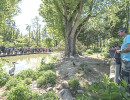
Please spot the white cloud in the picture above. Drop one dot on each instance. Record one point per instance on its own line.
(29, 9)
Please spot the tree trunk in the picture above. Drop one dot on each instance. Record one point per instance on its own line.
(68, 28)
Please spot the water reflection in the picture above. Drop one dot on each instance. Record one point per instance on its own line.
(24, 61)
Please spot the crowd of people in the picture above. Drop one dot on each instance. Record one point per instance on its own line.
(23, 50)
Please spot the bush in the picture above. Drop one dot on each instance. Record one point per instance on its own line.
(74, 83)
(60, 46)
(54, 59)
(20, 92)
(105, 52)
(12, 83)
(44, 67)
(47, 77)
(36, 96)
(89, 51)
(4, 77)
(80, 47)
(28, 81)
(29, 73)
(81, 68)
(104, 90)
(40, 74)
(50, 95)
(97, 50)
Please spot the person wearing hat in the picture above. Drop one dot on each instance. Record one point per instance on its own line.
(125, 54)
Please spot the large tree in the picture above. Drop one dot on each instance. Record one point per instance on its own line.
(69, 16)
(8, 9)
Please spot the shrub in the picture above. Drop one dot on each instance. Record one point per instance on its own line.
(44, 67)
(60, 46)
(80, 47)
(29, 73)
(81, 67)
(97, 50)
(105, 52)
(89, 51)
(39, 73)
(54, 59)
(104, 90)
(89, 70)
(5, 93)
(36, 96)
(12, 83)
(74, 83)
(4, 77)
(28, 81)
(50, 95)
(20, 92)
(47, 77)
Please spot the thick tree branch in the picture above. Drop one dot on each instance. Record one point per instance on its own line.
(77, 18)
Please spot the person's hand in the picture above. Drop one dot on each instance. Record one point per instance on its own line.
(118, 51)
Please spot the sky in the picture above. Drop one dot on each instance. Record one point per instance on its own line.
(29, 9)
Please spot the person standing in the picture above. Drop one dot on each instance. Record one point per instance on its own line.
(125, 54)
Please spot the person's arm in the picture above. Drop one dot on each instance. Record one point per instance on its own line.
(125, 50)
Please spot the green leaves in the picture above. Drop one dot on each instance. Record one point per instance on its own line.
(105, 90)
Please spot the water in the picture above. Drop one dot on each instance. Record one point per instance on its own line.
(23, 62)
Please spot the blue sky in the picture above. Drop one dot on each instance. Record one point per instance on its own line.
(29, 9)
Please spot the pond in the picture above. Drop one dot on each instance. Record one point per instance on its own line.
(23, 62)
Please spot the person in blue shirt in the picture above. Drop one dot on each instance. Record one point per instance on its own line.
(125, 54)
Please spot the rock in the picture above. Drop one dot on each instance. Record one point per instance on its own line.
(49, 89)
(59, 87)
(65, 84)
(38, 85)
(80, 91)
(35, 89)
(49, 85)
(65, 94)
(43, 86)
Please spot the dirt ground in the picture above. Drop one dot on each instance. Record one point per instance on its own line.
(65, 69)
(95, 68)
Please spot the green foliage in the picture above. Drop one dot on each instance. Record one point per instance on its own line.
(5, 93)
(20, 92)
(89, 51)
(44, 67)
(12, 83)
(81, 67)
(104, 90)
(50, 95)
(74, 83)
(48, 42)
(38, 74)
(29, 73)
(47, 77)
(60, 46)
(28, 81)
(80, 47)
(97, 50)
(4, 77)
(53, 59)
(89, 70)
(1, 66)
